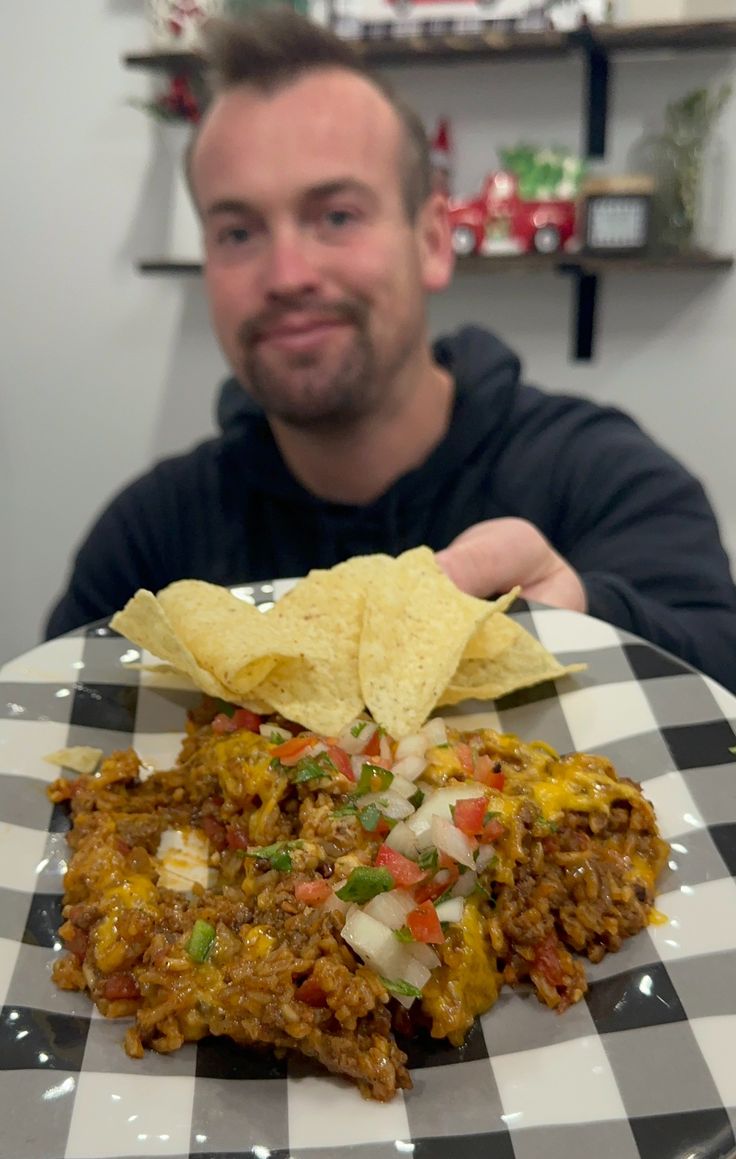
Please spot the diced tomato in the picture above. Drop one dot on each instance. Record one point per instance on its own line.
(485, 772)
(77, 944)
(223, 723)
(292, 750)
(373, 748)
(120, 986)
(244, 718)
(216, 832)
(492, 831)
(437, 885)
(469, 814)
(341, 761)
(237, 838)
(312, 892)
(547, 961)
(404, 871)
(464, 754)
(424, 924)
(311, 993)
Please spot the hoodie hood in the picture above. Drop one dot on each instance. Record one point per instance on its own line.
(486, 374)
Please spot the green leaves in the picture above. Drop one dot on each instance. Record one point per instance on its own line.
(278, 855)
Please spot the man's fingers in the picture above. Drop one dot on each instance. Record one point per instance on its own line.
(467, 565)
(494, 556)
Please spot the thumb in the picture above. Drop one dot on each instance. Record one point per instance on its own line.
(466, 563)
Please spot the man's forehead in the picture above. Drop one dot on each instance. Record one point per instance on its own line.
(320, 115)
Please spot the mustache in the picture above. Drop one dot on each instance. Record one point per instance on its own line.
(273, 316)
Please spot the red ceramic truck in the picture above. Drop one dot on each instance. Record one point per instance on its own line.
(498, 220)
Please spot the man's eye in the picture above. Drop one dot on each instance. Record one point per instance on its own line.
(339, 217)
(234, 235)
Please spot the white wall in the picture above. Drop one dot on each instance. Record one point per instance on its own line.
(102, 370)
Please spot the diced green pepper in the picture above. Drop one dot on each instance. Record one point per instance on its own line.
(364, 883)
(373, 779)
(200, 940)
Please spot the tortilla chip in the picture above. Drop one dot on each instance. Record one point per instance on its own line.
(523, 663)
(416, 627)
(144, 622)
(79, 758)
(231, 639)
(324, 613)
(492, 637)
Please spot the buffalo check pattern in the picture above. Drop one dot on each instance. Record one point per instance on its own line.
(642, 1069)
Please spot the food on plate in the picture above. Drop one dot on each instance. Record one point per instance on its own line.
(394, 636)
(80, 758)
(329, 895)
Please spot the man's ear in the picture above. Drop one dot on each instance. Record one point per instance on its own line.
(434, 238)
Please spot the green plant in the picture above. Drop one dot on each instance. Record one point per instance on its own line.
(689, 123)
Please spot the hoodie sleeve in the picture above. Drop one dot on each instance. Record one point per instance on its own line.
(640, 531)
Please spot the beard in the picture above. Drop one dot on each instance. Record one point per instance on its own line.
(331, 387)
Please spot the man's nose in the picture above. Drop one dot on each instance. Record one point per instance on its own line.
(290, 265)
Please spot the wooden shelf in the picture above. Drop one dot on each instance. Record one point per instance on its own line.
(530, 264)
(496, 43)
(596, 45)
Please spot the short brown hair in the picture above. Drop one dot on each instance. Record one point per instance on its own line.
(270, 48)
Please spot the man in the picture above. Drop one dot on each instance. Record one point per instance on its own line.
(344, 432)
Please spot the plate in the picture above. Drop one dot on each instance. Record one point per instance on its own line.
(641, 1069)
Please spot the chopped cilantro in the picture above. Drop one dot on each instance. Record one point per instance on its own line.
(404, 934)
(399, 986)
(370, 817)
(350, 809)
(416, 799)
(310, 769)
(278, 854)
(429, 859)
(358, 727)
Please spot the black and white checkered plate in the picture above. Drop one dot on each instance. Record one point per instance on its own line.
(642, 1069)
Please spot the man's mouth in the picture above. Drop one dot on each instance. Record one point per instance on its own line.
(298, 333)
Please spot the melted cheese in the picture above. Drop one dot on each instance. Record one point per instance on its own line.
(569, 787)
(466, 984)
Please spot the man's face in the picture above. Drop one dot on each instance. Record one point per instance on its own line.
(315, 274)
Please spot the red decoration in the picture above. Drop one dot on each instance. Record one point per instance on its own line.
(498, 220)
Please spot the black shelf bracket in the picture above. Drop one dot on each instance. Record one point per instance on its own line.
(585, 288)
(596, 92)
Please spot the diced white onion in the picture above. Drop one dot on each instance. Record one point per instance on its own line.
(355, 744)
(416, 974)
(409, 767)
(375, 943)
(184, 860)
(424, 954)
(333, 902)
(486, 853)
(391, 804)
(357, 764)
(453, 841)
(401, 786)
(275, 733)
(435, 731)
(464, 885)
(411, 746)
(451, 910)
(390, 908)
(385, 749)
(438, 804)
(402, 840)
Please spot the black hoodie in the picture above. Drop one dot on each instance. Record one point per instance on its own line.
(635, 525)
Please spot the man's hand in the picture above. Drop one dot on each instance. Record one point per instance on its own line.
(496, 555)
